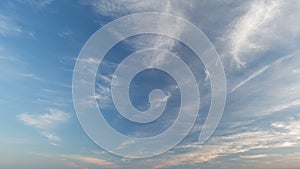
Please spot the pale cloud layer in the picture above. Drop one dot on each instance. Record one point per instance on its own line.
(46, 123)
(8, 26)
(269, 83)
(248, 27)
(221, 146)
(38, 3)
(260, 41)
(264, 26)
(263, 69)
(115, 9)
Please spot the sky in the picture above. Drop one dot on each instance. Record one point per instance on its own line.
(257, 41)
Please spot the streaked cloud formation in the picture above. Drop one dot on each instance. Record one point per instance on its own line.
(238, 143)
(264, 26)
(8, 26)
(258, 41)
(247, 28)
(262, 70)
(46, 123)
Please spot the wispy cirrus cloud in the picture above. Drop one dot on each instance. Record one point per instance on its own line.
(119, 8)
(246, 28)
(262, 70)
(261, 28)
(115, 9)
(269, 90)
(65, 33)
(46, 123)
(282, 107)
(38, 3)
(53, 139)
(264, 26)
(4, 56)
(8, 26)
(31, 76)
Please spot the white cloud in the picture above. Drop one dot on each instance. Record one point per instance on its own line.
(292, 128)
(39, 3)
(89, 60)
(4, 56)
(265, 26)
(221, 146)
(281, 107)
(8, 26)
(271, 89)
(65, 33)
(249, 25)
(116, 9)
(119, 8)
(257, 73)
(257, 156)
(51, 137)
(31, 76)
(46, 123)
(262, 70)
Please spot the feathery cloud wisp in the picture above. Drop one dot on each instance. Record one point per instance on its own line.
(8, 27)
(262, 70)
(251, 25)
(195, 153)
(46, 123)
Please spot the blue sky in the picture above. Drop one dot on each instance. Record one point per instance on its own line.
(258, 42)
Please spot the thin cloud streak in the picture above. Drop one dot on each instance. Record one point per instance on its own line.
(8, 27)
(194, 154)
(262, 70)
(116, 9)
(31, 76)
(39, 3)
(45, 123)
